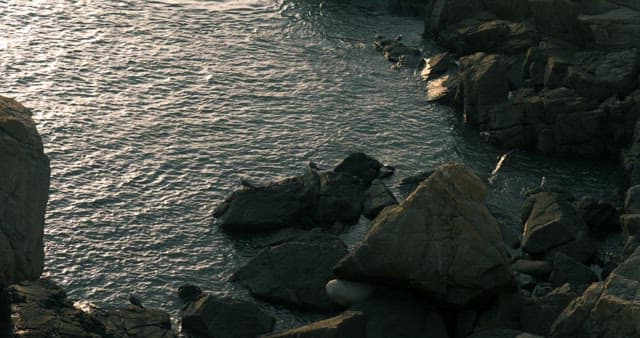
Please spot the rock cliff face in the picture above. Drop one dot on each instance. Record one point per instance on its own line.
(24, 189)
(554, 76)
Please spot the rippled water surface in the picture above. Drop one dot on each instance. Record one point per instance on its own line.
(151, 111)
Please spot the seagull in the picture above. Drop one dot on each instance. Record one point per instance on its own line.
(543, 182)
(134, 300)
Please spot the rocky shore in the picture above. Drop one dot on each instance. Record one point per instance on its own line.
(557, 77)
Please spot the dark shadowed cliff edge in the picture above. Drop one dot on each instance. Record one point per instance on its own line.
(558, 77)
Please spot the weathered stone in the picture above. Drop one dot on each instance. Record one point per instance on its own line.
(599, 75)
(24, 191)
(609, 310)
(495, 36)
(401, 315)
(535, 268)
(41, 309)
(632, 200)
(442, 240)
(630, 225)
(444, 13)
(539, 313)
(559, 19)
(556, 72)
(313, 199)
(360, 165)
(437, 65)
(350, 324)
(551, 222)
(294, 273)
(443, 89)
(376, 198)
(616, 29)
(601, 217)
(410, 183)
(568, 270)
(484, 84)
(211, 316)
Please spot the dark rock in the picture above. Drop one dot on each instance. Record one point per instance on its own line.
(313, 199)
(514, 10)
(443, 88)
(539, 313)
(526, 282)
(41, 309)
(339, 198)
(347, 293)
(401, 315)
(551, 222)
(600, 217)
(189, 292)
(437, 65)
(376, 198)
(386, 171)
(559, 19)
(410, 183)
(444, 223)
(485, 84)
(602, 74)
(630, 226)
(294, 273)
(534, 268)
(495, 36)
(360, 165)
(556, 72)
(278, 205)
(632, 200)
(503, 313)
(617, 29)
(581, 249)
(212, 316)
(503, 333)
(349, 324)
(568, 270)
(443, 14)
(541, 290)
(24, 191)
(609, 309)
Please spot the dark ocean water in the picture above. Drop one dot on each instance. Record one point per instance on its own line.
(151, 111)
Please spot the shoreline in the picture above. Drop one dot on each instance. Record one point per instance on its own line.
(470, 67)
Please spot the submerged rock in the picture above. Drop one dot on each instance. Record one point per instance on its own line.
(442, 240)
(24, 191)
(211, 316)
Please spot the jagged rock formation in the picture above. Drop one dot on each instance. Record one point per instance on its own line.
(24, 191)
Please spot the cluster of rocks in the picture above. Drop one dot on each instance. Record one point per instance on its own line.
(31, 306)
(553, 76)
(436, 265)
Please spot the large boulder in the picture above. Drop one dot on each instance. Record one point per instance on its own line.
(442, 241)
(377, 197)
(618, 28)
(539, 313)
(313, 199)
(212, 316)
(559, 19)
(494, 36)
(611, 309)
(444, 13)
(350, 324)
(401, 315)
(484, 84)
(552, 221)
(294, 273)
(41, 309)
(24, 191)
(360, 165)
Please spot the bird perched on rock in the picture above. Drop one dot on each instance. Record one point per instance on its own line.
(135, 300)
